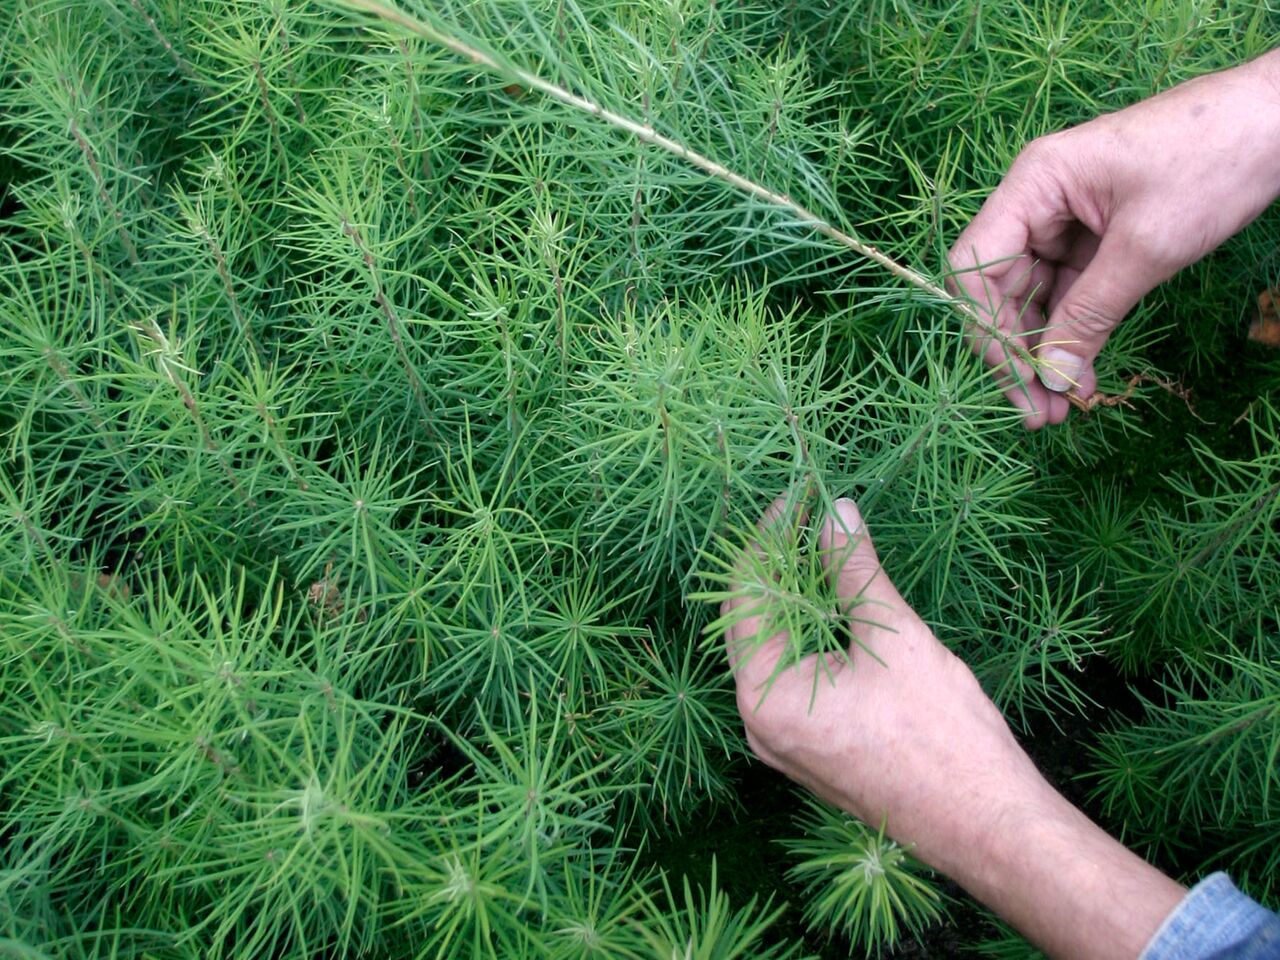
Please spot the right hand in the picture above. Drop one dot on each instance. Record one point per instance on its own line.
(1087, 221)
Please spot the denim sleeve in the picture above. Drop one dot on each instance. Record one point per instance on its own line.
(1215, 921)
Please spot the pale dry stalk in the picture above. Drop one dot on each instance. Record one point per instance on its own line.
(647, 134)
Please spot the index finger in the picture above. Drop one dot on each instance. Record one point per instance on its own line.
(753, 648)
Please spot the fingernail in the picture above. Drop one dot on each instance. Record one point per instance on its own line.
(1059, 370)
(848, 511)
(847, 520)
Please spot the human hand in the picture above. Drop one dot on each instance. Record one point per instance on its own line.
(1087, 221)
(881, 736)
(901, 733)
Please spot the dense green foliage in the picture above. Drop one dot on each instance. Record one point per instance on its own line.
(857, 880)
(370, 421)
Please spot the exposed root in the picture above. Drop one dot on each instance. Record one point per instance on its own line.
(1092, 402)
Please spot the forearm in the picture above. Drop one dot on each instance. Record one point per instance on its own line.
(1059, 879)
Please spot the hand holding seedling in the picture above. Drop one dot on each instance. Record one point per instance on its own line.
(901, 733)
(1090, 219)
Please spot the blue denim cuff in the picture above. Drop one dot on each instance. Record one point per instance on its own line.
(1215, 921)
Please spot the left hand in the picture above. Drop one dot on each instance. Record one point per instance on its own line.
(907, 738)
(880, 737)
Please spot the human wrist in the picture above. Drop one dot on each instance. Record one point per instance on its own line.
(1262, 75)
(1268, 67)
(997, 840)
(974, 829)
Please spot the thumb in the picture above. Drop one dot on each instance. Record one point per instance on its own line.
(860, 581)
(1107, 289)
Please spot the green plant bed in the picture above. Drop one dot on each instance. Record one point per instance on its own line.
(377, 427)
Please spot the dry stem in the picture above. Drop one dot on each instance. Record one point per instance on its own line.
(647, 134)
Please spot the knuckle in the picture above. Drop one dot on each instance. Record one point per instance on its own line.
(1087, 317)
(1030, 163)
(1034, 153)
(1043, 151)
(1042, 166)
(960, 258)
